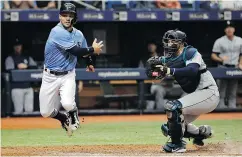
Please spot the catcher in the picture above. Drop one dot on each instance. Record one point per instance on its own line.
(186, 65)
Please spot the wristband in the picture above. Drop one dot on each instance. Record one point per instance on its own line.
(90, 49)
(168, 71)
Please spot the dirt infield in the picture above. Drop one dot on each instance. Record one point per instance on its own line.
(39, 122)
(230, 149)
(122, 150)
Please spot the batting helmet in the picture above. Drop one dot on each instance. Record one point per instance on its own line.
(69, 8)
(172, 40)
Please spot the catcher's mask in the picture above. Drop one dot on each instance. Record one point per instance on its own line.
(172, 40)
(69, 8)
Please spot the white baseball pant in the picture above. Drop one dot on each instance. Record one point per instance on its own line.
(55, 89)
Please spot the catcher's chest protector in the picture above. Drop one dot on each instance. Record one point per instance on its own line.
(188, 84)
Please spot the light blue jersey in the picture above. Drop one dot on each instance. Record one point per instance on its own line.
(60, 40)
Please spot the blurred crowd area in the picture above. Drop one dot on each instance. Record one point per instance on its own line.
(128, 4)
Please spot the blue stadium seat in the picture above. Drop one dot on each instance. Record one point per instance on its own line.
(117, 5)
(190, 4)
(207, 5)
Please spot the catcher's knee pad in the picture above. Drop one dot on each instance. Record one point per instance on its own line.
(175, 120)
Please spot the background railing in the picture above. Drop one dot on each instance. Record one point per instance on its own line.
(90, 15)
(139, 5)
(100, 75)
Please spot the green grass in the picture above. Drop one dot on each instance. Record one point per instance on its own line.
(114, 133)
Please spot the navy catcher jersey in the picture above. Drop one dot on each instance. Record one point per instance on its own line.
(189, 55)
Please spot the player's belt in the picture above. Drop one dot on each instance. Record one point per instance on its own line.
(57, 73)
(229, 65)
(203, 71)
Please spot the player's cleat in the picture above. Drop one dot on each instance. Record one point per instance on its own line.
(205, 131)
(66, 125)
(198, 142)
(75, 123)
(170, 147)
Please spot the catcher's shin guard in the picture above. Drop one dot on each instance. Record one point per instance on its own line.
(175, 121)
(165, 130)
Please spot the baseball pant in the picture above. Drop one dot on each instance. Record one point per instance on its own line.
(197, 103)
(55, 89)
(23, 100)
(160, 92)
(228, 89)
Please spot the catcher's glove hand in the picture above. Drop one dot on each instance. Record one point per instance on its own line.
(155, 69)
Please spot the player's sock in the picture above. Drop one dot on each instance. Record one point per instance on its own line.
(60, 116)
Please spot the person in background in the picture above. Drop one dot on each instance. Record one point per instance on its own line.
(227, 52)
(46, 4)
(143, 5)
(18, 4)
(208, 5)
(168, 4)
(5, 5)
(22, 93)
(230, 5)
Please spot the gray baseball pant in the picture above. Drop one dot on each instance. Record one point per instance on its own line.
(23, 100)
(160, 92)
(228, 89)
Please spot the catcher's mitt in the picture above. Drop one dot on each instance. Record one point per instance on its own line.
(155, 69)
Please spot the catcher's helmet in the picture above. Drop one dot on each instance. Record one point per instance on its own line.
(172, 40)
(69, 8)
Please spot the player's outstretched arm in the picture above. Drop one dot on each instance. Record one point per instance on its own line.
(96, 48)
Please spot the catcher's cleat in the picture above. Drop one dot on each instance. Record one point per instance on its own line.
(75, 123)
(170, 147)
(66, 125)
(205, 131)
(198, 142)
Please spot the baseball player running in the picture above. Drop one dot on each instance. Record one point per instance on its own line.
(186, 65)
(64, 45)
